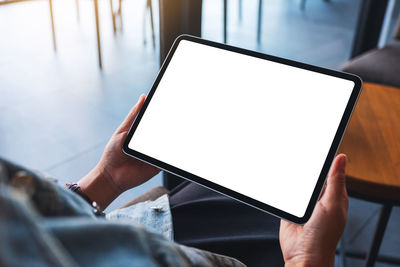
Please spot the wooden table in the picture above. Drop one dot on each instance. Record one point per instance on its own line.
(372, 144)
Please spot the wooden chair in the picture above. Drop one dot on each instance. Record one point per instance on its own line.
(118, 13)
(7, 2)
(96, 14)
(114, 15)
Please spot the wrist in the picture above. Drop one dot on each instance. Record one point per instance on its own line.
(99, 187)
(309, 262)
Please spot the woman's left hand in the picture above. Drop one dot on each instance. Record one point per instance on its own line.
(125, 171)
(117, 172)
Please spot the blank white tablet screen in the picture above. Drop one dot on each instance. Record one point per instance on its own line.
(257, 127)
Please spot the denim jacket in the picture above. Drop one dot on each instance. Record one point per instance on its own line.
(43, 224)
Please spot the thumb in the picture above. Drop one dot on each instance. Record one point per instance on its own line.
(126, 124)
(336, 181)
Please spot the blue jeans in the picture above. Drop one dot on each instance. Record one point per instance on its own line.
(43, 224)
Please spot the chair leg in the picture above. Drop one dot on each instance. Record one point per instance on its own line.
(52, 25)
(113, 17)
(120, 16)
(259, 21)
(152, 22)
(96, 13)
(225, 20)
(78, 13)
(384, 216)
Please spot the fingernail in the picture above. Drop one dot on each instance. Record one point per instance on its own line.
(342, 163)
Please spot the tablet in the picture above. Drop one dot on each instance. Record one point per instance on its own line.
(257, 128)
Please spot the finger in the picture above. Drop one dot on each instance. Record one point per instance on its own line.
(322, 191)
(126, 124)
(331, 170)
(336, 181)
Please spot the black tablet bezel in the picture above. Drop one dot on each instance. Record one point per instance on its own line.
(242, 198)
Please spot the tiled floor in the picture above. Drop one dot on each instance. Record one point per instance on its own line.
(57, 110)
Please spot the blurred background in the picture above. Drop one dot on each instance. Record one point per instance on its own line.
(67, 82)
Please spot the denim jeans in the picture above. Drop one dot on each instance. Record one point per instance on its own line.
(43, 224)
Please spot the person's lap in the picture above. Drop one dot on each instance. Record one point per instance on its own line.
(207, 220)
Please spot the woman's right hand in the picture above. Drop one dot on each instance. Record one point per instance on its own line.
(314, 243)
